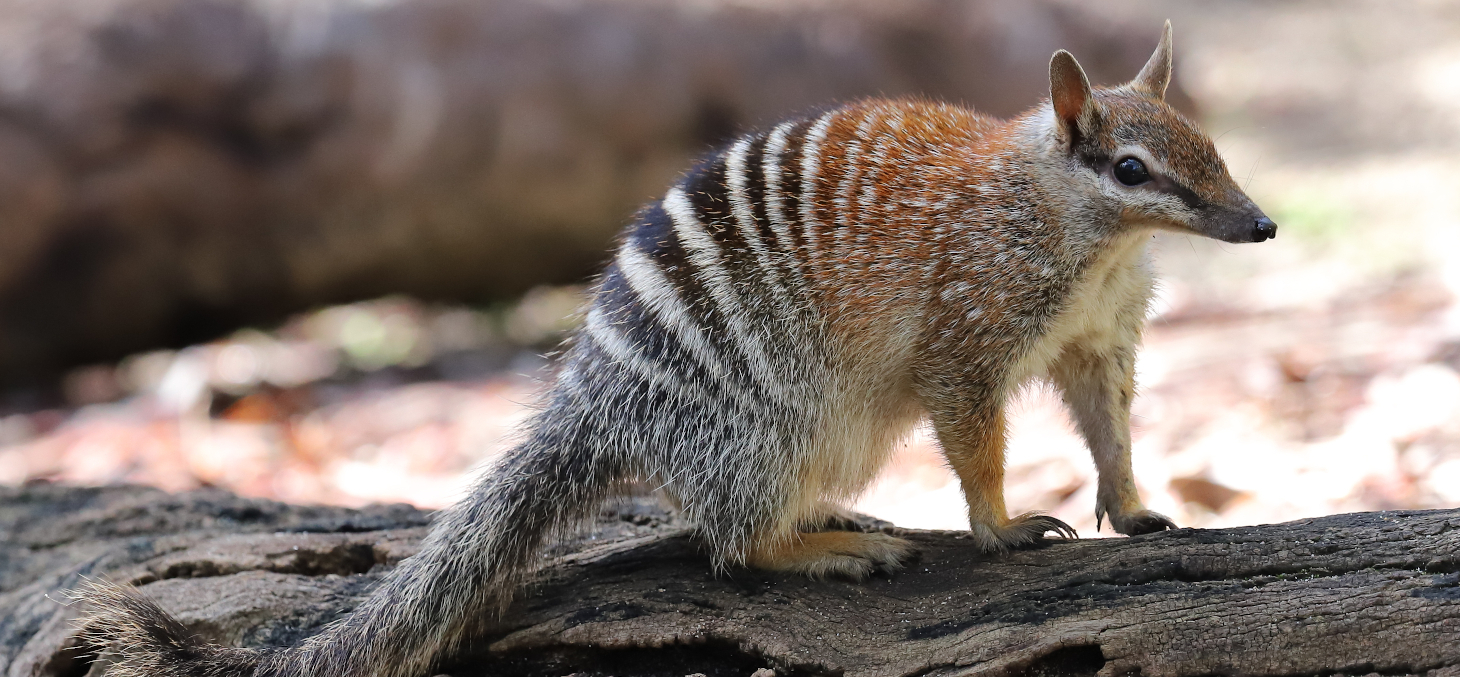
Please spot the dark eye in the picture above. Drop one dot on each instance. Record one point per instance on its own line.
(1131, 172)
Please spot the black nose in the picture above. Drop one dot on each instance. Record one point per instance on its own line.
(1265, 229)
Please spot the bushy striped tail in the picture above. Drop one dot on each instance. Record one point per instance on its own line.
(148, 641)
(468, 567)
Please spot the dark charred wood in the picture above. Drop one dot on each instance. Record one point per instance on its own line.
(1366, 593)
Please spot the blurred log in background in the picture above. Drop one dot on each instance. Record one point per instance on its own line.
(174, 169)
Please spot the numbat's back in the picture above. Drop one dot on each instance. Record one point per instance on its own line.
(771, 327)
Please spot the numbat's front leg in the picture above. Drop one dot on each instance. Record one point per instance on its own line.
(974, 445)
(1098, 387)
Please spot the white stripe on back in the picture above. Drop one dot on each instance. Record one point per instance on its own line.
(658, 294)
(810, 165)
(626, 354)
(868, 180)
(704, 254)
(736, 180)
(775, 201)
(867, 201)
(848, 185)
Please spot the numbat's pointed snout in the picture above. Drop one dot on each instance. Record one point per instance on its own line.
(1265, 229)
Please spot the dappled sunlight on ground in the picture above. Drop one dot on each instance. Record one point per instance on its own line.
(1241, 419)
(1244, 420)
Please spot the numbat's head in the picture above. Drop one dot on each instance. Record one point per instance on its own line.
(1139, 162)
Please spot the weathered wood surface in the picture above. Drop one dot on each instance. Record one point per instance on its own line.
(1348, 594)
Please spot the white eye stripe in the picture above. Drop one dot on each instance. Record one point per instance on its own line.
(1151, 198)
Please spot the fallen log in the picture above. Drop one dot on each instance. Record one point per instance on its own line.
(1364, 593)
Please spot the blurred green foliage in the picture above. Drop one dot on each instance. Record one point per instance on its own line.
(1316, 217)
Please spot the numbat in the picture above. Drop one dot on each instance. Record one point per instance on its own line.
(769, 329)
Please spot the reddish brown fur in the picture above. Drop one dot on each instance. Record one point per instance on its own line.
(895, 176)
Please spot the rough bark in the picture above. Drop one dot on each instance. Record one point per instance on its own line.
(174, 168)
(1365, 593)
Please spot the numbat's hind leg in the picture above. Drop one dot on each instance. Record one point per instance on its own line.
(836, 518)
(833, 554)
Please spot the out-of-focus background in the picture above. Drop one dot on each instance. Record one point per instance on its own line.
(317, 250)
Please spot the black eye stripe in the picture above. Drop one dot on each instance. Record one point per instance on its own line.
(1104, 164)
(1187, 195)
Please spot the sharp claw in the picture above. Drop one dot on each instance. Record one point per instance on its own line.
(1057, 526)
(1149, 523)
(1026, 530)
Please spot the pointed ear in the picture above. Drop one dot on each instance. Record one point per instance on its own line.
(1069, 91)
(1152, 79)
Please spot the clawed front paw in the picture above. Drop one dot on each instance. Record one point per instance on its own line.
(1021, 531)
(1137, 523)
